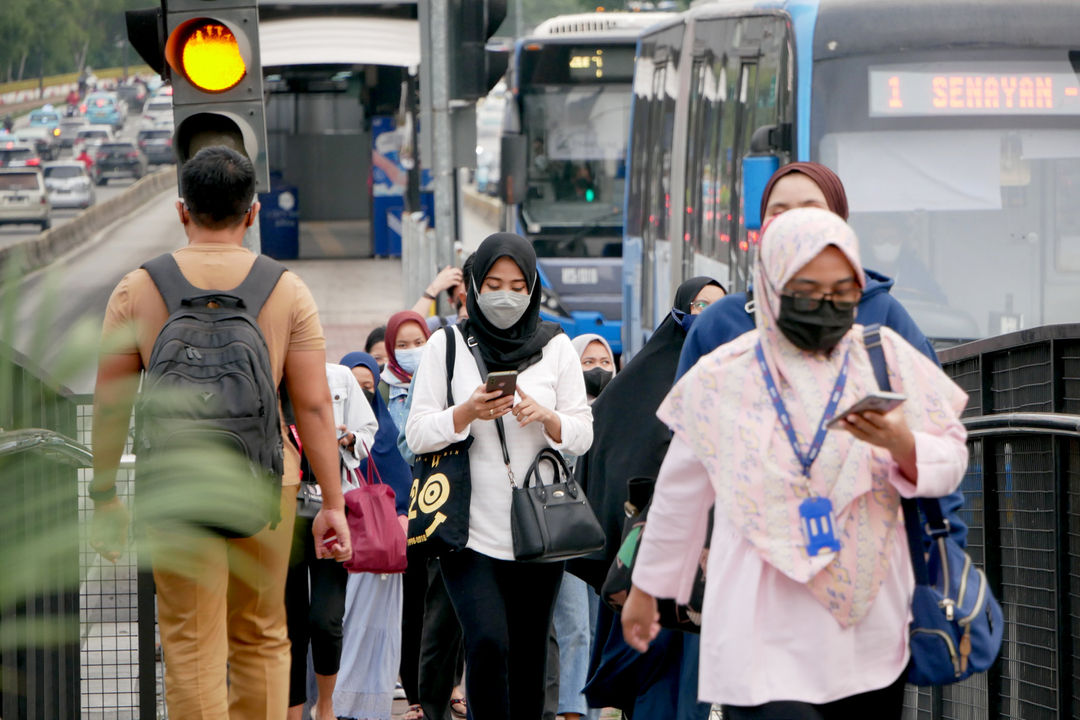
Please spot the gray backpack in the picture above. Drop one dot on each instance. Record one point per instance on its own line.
(209, 451)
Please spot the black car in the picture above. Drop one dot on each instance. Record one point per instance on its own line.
(118, 159)
(134, 95)
(157, 145)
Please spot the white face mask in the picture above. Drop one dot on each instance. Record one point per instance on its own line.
(503, 308)
(409, 359)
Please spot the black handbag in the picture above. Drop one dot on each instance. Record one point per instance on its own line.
(553, 522)
(442, 486)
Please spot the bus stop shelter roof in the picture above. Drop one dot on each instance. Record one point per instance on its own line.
(343, 40)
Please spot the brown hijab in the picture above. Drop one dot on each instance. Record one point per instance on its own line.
(822, 176)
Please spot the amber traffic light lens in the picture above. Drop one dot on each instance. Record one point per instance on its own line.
(210, 57)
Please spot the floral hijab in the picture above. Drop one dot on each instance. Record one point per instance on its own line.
(722, 410)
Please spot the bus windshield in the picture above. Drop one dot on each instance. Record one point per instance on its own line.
(977, 219)
(577, 153)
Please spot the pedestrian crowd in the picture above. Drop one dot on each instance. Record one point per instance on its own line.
(753, 553)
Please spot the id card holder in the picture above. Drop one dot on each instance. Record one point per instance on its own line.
(818, 526)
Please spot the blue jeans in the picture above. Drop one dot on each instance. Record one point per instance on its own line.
(575, 618)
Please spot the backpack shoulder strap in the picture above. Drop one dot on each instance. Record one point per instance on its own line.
(931, 507)
(259, 283)
(170, 281)
(872, 339)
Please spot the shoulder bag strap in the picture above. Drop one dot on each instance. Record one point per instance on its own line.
(451, 359)
(482, 367)
(930, 506)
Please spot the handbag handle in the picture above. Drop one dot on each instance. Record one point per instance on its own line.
(371, 466)
(558, 464)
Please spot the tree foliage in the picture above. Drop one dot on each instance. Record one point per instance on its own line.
(49, 37)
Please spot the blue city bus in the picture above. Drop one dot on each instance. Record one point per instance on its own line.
(569, 109)
(953, 125)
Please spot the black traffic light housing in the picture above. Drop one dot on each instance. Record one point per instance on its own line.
(209, 49)
(475, 70)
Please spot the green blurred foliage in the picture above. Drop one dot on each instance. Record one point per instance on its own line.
(48, 37)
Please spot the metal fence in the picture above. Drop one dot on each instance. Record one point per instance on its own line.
(1022, 489)
(93, 668)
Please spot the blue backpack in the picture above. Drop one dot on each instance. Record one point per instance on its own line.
(956, 625)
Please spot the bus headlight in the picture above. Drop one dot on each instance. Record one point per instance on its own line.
(549, 302)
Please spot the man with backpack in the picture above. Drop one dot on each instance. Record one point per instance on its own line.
(217, 330)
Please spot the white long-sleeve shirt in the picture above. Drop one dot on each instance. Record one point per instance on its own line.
(351, 409)
(555, 381)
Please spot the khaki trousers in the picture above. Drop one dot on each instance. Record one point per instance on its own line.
(221, 614)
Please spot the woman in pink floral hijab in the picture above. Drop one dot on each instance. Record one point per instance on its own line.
(809, 579)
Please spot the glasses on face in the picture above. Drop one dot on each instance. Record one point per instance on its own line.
(699, 304)
(842, 301)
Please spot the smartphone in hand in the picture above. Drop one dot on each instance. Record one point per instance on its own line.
(879, 401)
(505, 382)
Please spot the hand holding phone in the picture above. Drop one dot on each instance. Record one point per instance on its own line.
(505, 382)
(879, 401)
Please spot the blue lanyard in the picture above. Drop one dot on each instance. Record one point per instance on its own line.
(807, 459)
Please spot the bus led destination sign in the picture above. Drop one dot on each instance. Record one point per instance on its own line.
(903, 91)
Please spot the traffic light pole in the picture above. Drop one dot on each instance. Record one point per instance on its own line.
(438, 61)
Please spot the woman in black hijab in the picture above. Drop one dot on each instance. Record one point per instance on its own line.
(630, 441)
(505, 607)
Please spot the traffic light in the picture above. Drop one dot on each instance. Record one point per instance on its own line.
(211, 53)
(474, 70)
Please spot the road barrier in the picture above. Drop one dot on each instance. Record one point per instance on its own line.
(51, 244)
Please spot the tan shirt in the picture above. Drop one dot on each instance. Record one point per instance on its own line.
(289, 320)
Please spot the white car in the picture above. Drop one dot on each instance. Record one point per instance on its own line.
(90, 137)
(68, 184)
(157, 111)
(23, 198)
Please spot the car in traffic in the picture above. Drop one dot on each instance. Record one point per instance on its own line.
(118, 159)
(23, 197)
(90, 137)
(104, 109)
(157, 145)
(157, 111)
(18, 154)
(46, 142)
(134, 94)
(68, 184)
(69, 128)
(45, 117)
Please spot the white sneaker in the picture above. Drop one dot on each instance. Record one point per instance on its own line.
(399, 692)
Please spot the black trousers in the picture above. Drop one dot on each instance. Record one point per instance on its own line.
(432, 656)
(442, 655)
(505, 609)
(884, 704)
(314, 617)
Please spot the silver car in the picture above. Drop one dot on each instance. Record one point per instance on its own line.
(68, 184)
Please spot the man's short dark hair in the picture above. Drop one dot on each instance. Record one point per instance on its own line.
(218, 185)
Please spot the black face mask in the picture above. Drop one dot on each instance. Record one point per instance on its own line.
(596, 380)
(370, 395)
(813, 330)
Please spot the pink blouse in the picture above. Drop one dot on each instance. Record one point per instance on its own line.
(764, 637)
